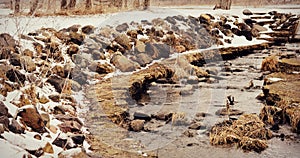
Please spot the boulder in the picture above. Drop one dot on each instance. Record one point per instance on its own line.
(133, 33)
(5, 52)
(180, 49)
(73, 28)
(15, 59)
(6, 40)
(124, 41)
(259, 28)
(27, 63)
(15, 76)
(171, 20)
(247, 12)
(4, 121)
(76, 38)
(140, 47)
(88, 29)
(141, 116)
(57, 82)
(70, 126)
(143, 59)
(101, 68)
(3, 109)
(15, 127)
(292, 113)
(205, 19)
(137, 125)
(48, 148)
(270, 64)
(122, 28)
(73, 49)
(157, 51)
(123, 64)
(98, 55)
(32, 118)
(79, 76)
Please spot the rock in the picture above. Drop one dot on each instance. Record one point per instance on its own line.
(122, 28)
(192, 80)
(46, 119)
(15, 59)
(15, 76)
(15, 127)
(64, 142)
(53, 129)
(133, 33)
(123, 64)
(79, 76)
(190, 133)
(187, 90)
(196, 126)
(141, 116)
(171, 20)
(271, 115)
(143, 59)
(33, 119)
(76, 38)
(6, 40)
(140, 47)
(38, 152)
(54, 97)
(4, 121)
(73, 28)
(73, 49)
(78, 139)
(124, 41)
(157, 51)
(28, 52)
(205, 18)
(137, 125)
(5, 52)
(88, 29)
(70, 126)
(48, 148)
(230, 112)
(247, 12)
(3, 109)
(37, 136)
(57, 82)
(101, 68)
(97, 55)
(259, 28)
(27, 63)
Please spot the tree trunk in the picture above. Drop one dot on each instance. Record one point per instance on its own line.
(11, 4)
(72, 4)
(17, 6)
(223, 4)
(63, 4)
(136, 4)
(125, 3)
(88, 4)
(146, 4)
(33, 7)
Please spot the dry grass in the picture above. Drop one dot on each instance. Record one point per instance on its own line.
(248, 133)
(270, 64)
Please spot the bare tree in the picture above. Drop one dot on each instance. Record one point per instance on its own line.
(146, 4)
(88, 4)
(223, 4)
(63, 4)
(72, 4)
(33, 7)
(17, 6)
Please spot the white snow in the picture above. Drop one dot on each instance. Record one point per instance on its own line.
(9, 150)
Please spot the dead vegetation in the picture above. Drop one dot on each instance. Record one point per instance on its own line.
(248, 133)
(270, 64)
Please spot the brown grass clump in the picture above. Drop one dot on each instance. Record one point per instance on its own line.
(270, 64)
(248, 133)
